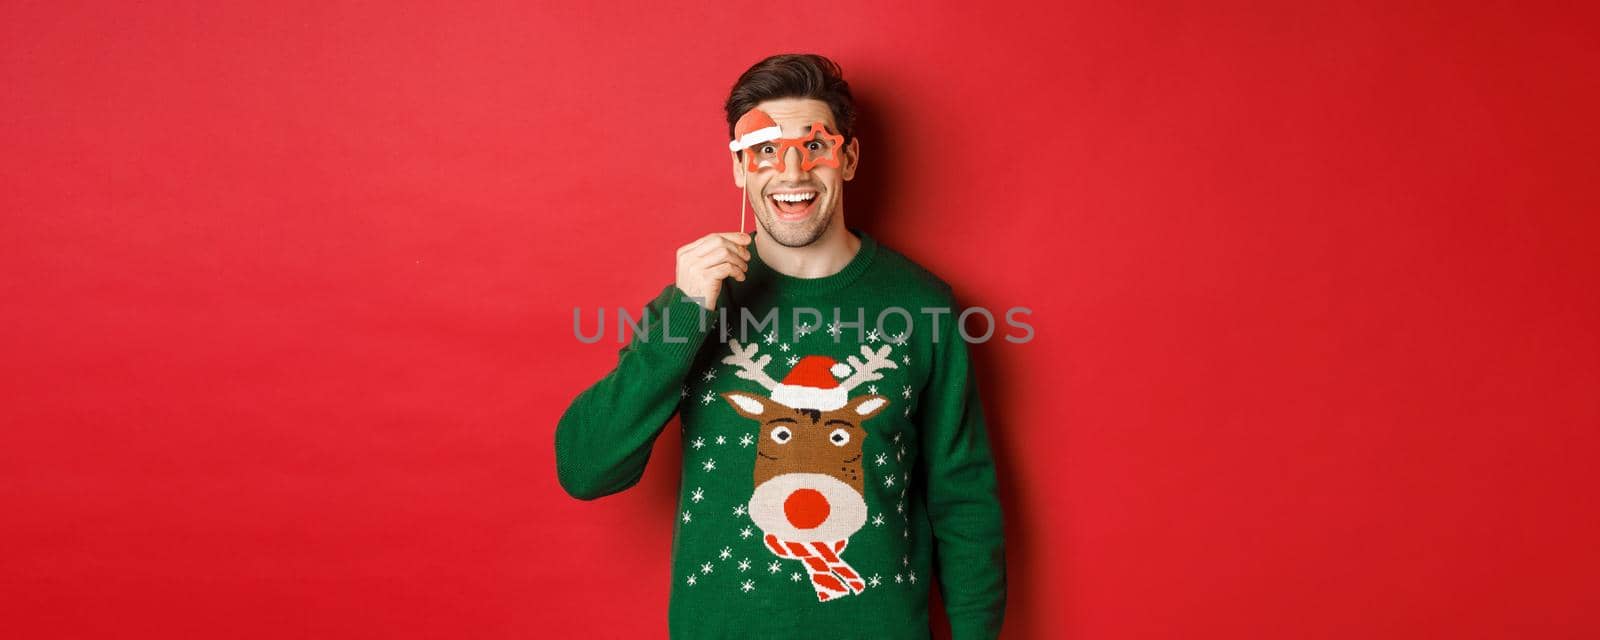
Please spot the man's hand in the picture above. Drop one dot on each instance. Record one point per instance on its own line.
(703, 264)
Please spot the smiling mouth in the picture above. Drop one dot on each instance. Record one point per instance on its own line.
(792, 206)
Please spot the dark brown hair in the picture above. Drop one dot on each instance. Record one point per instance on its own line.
(794, 75)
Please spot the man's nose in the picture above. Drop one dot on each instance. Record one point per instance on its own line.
(791, 165)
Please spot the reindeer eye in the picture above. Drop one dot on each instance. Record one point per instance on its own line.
(839, 437)
(781, 435)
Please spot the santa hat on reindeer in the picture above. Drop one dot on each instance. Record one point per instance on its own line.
(813, 383)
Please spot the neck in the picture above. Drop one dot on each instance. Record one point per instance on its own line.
(825, 257)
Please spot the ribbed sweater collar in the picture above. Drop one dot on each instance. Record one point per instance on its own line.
(787, 286)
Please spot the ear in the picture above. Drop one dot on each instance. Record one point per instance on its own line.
(738, 170)
(852, 155)
(751, 406)
(863, 407)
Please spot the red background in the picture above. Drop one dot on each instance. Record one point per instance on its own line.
(288, 298)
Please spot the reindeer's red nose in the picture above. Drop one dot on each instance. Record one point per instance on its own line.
(805, 508)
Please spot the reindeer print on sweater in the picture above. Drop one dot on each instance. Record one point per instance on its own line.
(807, 496)
(799, 451)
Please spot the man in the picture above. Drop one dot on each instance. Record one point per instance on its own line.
(835, 458)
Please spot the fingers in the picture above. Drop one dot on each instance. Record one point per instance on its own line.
(733, 238)
(685, 249)
(716, 245)
(724, 270)
(723, 255)
(703, 263)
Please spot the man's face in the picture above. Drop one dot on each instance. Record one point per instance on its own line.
(795, 206)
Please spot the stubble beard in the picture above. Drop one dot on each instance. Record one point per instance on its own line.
(789, 235)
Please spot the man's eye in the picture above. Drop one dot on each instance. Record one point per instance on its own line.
(768, 149)
(814, 145)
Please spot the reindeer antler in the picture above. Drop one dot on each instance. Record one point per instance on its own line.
(750, 367)
(867, 371)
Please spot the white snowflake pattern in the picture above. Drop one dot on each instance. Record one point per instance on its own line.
(709, 375)
(905, 392)
(748, 586)
(705, 568)
(727, 552)
(683, 392)
(882, 459)
(912, 576)
(709, 465)
(906, 360)
(744, 565)
(872, 388)
(771, 337)
(874, 581)
(774, 568)
(900, 507)
(738, 511)
(686, 516)
(896, 438)
(791, 360)
(707, 398)
(746, 532)
(746, 439)
(908, 412)
(833, 329)
(690, 580)
(899, 338)
(877, 520)
(783, 346)
(888, 481)
(898, 578)
(698, 442)
(794, 577)
(905, 561)
(722, 440)
(802, 330)
(698, 495)
(872, 336)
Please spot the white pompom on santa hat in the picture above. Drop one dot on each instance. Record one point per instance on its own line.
(813, 384)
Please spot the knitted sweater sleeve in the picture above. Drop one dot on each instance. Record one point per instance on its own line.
(963, 502)
(605, 436)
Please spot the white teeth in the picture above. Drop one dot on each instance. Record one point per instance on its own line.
(793, 197)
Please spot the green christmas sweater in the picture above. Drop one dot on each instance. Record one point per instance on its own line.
(835, 457)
